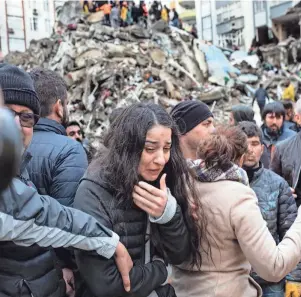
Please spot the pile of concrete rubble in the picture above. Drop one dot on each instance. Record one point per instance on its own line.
(106, 68)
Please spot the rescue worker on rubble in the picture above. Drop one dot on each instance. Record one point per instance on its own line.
(236, 237)
(165, 14)
(36, 222)
(276, 203)
(289, 91)
(132, 188)
(123, 14)
(106, 8)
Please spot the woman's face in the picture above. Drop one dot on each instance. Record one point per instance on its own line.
(156, 152)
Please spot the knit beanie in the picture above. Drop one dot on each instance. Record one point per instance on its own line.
(17, 87)
(188, 114)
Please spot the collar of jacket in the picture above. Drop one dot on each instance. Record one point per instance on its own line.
(48, 125)
(257, 174)
(24, 162)
(215, 173)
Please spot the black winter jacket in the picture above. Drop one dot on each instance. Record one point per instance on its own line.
(58, 162)
(278, 208)
(35, 222)
(286, 161)
(101, 276)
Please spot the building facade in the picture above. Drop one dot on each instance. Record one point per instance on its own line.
(24, 20)
(231, 23)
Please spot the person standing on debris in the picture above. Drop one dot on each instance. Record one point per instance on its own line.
(175, 20)
(114, 17)
(106, 8)
(240, 113)
(165, 14)
(260, 96)
(36, 222)
(195, 122)
(273, 129)
(276, 203)
(286, 160)
(133, 190)
(237, 237)
(58, 162)
(289, 91)
(123, 14)
(74, 131)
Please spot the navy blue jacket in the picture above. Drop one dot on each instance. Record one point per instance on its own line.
(58, 162)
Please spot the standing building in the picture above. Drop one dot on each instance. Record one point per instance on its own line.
(24, 20)
(239, 23)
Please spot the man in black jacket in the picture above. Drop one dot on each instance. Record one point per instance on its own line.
(35, 221)
(286, 160)
(275, 200)
(58, 162)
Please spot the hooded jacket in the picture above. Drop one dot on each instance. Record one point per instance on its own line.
(58, 162)
(238, 238)
(101, 277)
(28, 224)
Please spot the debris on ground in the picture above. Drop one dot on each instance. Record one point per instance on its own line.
(105, 68)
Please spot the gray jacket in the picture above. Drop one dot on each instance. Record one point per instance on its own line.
(30, 222)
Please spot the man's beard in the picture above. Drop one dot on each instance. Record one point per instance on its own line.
(272, 132)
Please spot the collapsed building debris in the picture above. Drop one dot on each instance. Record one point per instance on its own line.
(105, 68)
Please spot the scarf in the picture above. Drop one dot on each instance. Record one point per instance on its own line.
(215, 173)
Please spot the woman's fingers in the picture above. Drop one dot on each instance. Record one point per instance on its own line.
(145, 194)
(143, 201)
(151, 189)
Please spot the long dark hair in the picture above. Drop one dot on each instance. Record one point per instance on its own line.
(119, 166)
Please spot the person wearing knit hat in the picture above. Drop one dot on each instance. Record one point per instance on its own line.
(20, 97)
(32, 225)
(195, 121)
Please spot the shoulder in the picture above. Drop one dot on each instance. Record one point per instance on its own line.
(293, 137)
(226, 193)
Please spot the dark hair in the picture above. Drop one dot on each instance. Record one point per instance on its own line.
(261, 85)
(251, 130)
(274, 107)
(119, 166)
(50, 87)
(287, 104)
(223, 147)
(73, 123)
(115, 114)
(242, 113)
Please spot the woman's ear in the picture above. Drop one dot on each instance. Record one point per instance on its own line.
(241, 161)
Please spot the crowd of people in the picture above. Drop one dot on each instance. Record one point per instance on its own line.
(173, 204)
(126, 13)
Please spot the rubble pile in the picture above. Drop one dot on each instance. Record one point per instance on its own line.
(105, 68)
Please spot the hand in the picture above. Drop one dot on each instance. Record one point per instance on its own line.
(150, 199)
(69, 280)
(124, 264)
(293, 192)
